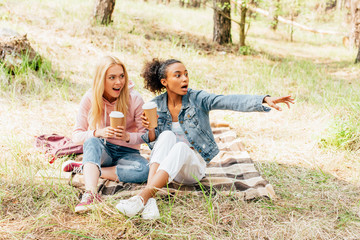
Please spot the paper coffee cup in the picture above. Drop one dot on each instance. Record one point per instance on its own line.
(116, 119)
(150, 110)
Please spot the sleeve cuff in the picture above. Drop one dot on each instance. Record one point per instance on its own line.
(145, 137)
(132, 139)
(265, 108)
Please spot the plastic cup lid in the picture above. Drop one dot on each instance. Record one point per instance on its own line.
(116, 114)
(149, 105)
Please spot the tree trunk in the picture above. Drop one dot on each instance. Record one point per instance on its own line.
(357, 60)
(275, 14)
(103, 10)
(187, 4)
(242, 25)
(340, 4)
(292, 28)
(355, 23)
(330, 4)
(196, 3)
(222, 22)
(204, 2)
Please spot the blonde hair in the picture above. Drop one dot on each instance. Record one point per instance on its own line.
(98, 88)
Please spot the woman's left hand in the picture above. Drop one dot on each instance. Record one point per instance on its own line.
(120, 133)
(272, 101)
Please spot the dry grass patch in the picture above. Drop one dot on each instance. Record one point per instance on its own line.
(317, 185)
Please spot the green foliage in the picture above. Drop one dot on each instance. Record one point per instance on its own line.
(343, 132)
(32, 77)
(25, 65)
(245, 50)
(223, 6)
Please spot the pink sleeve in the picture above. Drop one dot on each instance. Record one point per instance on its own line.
(81, 132)
(136, 105)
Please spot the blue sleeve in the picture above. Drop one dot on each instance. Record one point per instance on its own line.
(241, 103)
(145, 137)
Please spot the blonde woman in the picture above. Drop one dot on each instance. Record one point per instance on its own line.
(109, 153)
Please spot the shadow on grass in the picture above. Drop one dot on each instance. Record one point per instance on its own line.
(309, 202)
(312, 192)
(305, 196)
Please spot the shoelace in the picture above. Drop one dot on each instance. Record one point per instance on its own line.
(86, 197)
(141, 198)
(77, 170)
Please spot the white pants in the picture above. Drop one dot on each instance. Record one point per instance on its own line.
(183, 164)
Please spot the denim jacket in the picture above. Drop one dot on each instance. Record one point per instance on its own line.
(194, 117)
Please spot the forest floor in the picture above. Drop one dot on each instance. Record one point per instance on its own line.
(309, 153)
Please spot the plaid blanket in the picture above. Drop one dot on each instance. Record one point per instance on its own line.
(231, 172)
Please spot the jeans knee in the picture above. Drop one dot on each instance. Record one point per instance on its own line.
(94, 141)
(133, 172)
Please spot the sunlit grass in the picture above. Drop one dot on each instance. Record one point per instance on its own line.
(320, 132)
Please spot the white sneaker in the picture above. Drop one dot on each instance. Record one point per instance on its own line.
(131, 206)
(151, 210)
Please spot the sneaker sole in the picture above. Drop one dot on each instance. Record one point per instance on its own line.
(82, 209)
(150, 217)
(120, 209)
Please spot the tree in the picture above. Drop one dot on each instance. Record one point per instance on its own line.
(243, 10)
(292, 9)
(331, 4)
(191, 3)
(275, 11)
(103, 10)
(355, 23)
(222, 21)
(357, 60)
(246, 9)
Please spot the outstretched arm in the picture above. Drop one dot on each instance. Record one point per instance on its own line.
(272, 101)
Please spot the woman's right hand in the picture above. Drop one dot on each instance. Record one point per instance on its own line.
(145, 121)
(104, 132)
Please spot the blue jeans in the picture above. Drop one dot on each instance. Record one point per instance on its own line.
(131, 167)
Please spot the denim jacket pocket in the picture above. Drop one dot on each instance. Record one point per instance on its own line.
(190, 118)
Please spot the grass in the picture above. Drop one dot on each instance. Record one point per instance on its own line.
(308, 153)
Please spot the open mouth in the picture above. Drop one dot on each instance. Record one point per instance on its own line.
(116, 89)
(184, 87)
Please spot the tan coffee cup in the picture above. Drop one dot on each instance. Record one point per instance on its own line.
(150, 110)
(116, 119)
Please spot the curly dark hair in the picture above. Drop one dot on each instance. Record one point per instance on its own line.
(154, 71)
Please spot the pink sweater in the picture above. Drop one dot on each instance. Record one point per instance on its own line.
(133, 121)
